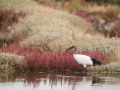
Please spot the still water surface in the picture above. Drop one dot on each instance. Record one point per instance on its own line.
(59, 81)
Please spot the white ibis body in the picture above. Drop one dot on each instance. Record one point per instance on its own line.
(83, 59)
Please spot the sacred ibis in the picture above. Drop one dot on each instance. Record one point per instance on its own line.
(83, 59)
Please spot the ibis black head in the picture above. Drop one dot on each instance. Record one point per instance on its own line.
(69, 49)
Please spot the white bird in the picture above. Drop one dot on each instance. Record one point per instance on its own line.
(83, 59)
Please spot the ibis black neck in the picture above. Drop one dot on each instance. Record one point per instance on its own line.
(75, 48)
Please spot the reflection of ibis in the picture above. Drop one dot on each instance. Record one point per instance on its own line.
(88, 83)
(83, 59)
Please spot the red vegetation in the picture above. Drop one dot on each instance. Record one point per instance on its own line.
(4, 17)
(83, 14)
(7, 18)
(115, 31)
(35, 60)
(88, 17)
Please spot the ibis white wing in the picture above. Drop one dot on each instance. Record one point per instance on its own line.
(83, 59)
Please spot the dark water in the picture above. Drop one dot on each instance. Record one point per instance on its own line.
(59, 81)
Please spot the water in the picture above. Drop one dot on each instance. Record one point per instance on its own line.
(59, 81)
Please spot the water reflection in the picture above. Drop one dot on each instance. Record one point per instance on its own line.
(59, 81)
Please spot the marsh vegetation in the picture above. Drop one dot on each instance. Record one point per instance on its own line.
(34, 35)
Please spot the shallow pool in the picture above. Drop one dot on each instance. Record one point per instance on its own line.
(59, 81)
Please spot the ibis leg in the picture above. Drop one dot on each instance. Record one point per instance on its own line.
(85, 70)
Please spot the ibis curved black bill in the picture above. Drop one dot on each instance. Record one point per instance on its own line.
(69, 49)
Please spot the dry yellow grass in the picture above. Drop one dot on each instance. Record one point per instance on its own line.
(101, 8)
(111, 67)
(6, 60)
(57, 29)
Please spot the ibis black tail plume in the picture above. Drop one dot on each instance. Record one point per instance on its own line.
(69, 49)
(95, 62)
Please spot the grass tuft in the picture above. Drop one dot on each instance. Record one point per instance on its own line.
(9, 18)
(115, 31)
